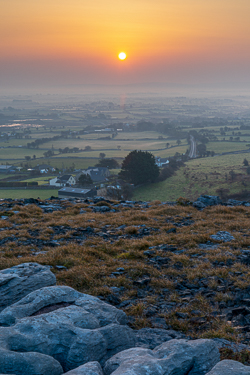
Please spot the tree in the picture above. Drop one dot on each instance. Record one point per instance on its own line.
(48, 154)
(102, 155)
(27, 158)
(108, 163)
(178, 142)
(245, 162)
(167, 145)
(139, 167)
(202, 149)
(88, 148)
(85, 180)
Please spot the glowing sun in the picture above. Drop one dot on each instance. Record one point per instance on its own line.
(122, 55)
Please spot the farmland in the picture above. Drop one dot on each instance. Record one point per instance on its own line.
(70, 134)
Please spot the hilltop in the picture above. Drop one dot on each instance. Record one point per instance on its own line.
(178, 265)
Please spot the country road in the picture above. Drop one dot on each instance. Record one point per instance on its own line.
(192, 152)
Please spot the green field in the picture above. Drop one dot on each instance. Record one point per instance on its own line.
(10, 153)
(220, 147)
(28, 193)
(62, 162)
(199, 176)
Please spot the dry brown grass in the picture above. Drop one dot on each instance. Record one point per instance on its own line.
(90, 264)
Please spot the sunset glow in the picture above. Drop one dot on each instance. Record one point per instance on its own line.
(168, 41)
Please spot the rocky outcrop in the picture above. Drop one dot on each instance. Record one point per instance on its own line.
(18, 281)
(95, 312)
(228, 367)
(55, 330)
(180, 357)
(85, 330)
(207, 200)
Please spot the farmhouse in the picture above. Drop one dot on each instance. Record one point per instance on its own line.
(76, 193)
(97, 174)
(65, 180)
(161, 162)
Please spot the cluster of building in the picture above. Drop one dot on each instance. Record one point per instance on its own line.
(68, 182)
(97, 174)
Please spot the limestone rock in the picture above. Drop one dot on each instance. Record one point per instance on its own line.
(151, 337)
(28, 363)
(90, 368)
(223, 236)
(53, 298)
(174, 357)
(18, 281)
(228, 367)
(209, 200)
(71, 335)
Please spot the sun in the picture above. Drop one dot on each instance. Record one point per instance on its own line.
(122, 55)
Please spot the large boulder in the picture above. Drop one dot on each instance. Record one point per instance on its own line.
(18, 281)
(51, 298)
(174, 357)
(90, 368)
(229, 367)
(28, 363)
(71, 335)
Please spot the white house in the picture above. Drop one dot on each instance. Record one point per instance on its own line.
(161, 162)
(66, 180)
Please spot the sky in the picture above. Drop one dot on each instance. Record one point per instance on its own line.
(76, 42)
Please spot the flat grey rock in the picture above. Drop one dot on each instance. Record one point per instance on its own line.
(36, 301)
(174, 357)
(53, 297)
(18, 281)
(229, 367)
(223, 236)
(90, 368)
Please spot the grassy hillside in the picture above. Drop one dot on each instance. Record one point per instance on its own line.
(199, 176)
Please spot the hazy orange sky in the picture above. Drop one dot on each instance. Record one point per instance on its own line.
(54, 42)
